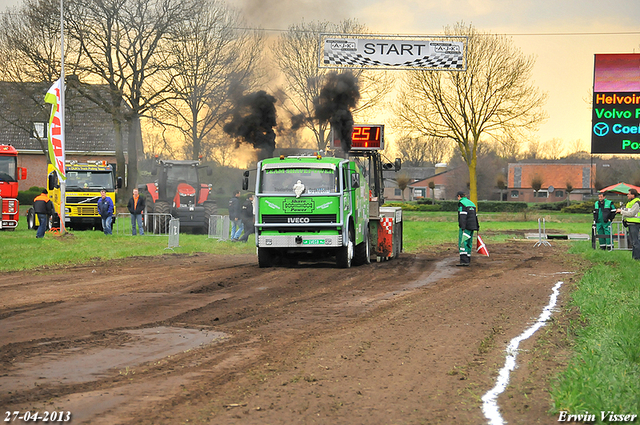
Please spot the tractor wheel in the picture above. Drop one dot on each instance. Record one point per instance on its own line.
(161, 221)
(148, 217)
(31, 219)
(265, 257)
(345, 253)
(210, 208)
(362, 253)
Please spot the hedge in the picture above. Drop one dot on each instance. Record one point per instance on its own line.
(26, 197)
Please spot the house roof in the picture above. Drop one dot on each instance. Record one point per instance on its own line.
(88, 128)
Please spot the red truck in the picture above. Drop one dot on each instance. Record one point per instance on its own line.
(10, 173)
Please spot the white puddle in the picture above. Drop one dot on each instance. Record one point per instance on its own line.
(72, 365)
(490, 399)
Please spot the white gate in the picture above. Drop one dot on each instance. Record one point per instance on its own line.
(219, 227)
(153, 224)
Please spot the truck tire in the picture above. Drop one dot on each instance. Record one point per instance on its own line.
(31, 219)
(161, 221)
(210, 208)
(362, 253)
(345, 253)
(265, 257)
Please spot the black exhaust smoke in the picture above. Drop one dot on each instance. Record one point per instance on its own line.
(337, 98)
(253, 120)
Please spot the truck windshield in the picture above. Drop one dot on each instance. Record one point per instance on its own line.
(89, 180)
(315, 180)
(8, 168)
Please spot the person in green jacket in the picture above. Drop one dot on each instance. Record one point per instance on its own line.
(468, 223)
(604, 212)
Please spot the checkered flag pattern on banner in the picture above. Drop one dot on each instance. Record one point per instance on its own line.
(441, 61)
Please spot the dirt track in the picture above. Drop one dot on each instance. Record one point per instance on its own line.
(213, 339)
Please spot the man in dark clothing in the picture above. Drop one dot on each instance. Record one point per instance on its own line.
(136, 208)
(604, 212)
(105, 209)
(247, 218)
(235, 211)
(44, 208)
(468, 223)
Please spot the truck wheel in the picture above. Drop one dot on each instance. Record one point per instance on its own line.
(210, 208)
(161, 221)
(265, 257)
(362, 253)
(345, 253)
(31, 219)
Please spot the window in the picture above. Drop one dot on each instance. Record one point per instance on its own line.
(397, 192)
(541, 194)
(559, 193)
(514, 193)
(39, 130)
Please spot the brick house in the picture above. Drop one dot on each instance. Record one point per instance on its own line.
(89, 130)
(554, 178)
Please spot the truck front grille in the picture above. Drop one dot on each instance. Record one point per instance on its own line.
(299, 218)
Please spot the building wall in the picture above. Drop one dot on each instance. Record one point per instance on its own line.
(36, 165)
(581, 176)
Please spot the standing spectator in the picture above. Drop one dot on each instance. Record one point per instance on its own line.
(604, 212)
(247, 218)
(468, 223)
(235, 211)
(136, 208)
(44, 208)
(105, 209)
(631, 216)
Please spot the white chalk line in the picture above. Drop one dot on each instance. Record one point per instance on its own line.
(490, 399)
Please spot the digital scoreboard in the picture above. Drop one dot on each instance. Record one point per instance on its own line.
(615, 118)
(364, 137)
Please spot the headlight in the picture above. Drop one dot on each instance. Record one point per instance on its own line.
(67, 210)
(12, 207)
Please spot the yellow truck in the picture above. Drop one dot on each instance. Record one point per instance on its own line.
(82, 191)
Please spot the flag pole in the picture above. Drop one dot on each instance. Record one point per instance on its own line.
(62, 181)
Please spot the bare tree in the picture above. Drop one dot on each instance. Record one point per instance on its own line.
(508, 147)
(403, 181)
(296, 54)
(30, 62)
(553, 149)
(420, 151)
(493, 96)
(536, 183)
(124, 43)
(214, 56)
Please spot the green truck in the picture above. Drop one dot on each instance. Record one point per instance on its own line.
(317, 207)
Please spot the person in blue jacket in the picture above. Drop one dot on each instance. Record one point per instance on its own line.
(468, 223)
(105, 209)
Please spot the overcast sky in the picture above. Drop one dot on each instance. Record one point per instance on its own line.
(564, 35)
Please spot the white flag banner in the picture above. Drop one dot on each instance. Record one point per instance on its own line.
(55, 133)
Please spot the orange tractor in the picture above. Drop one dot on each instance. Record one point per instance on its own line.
(178, 192)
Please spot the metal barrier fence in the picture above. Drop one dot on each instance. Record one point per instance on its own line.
(219, 227)
(619, 237)
(153, 223)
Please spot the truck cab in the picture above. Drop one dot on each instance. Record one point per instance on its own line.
(10, 173)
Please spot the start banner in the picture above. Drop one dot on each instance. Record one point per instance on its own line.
(392, 52)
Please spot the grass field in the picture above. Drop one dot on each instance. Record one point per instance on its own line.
(604, 370)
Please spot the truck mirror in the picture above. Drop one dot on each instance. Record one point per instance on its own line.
(22, 173)
(154, 171)
(209, 171)
(119, 183)
(245, 183)
(398, 164)
(355, 181)
(53, 181)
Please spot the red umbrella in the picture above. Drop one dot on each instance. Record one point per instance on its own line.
(621, 188)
